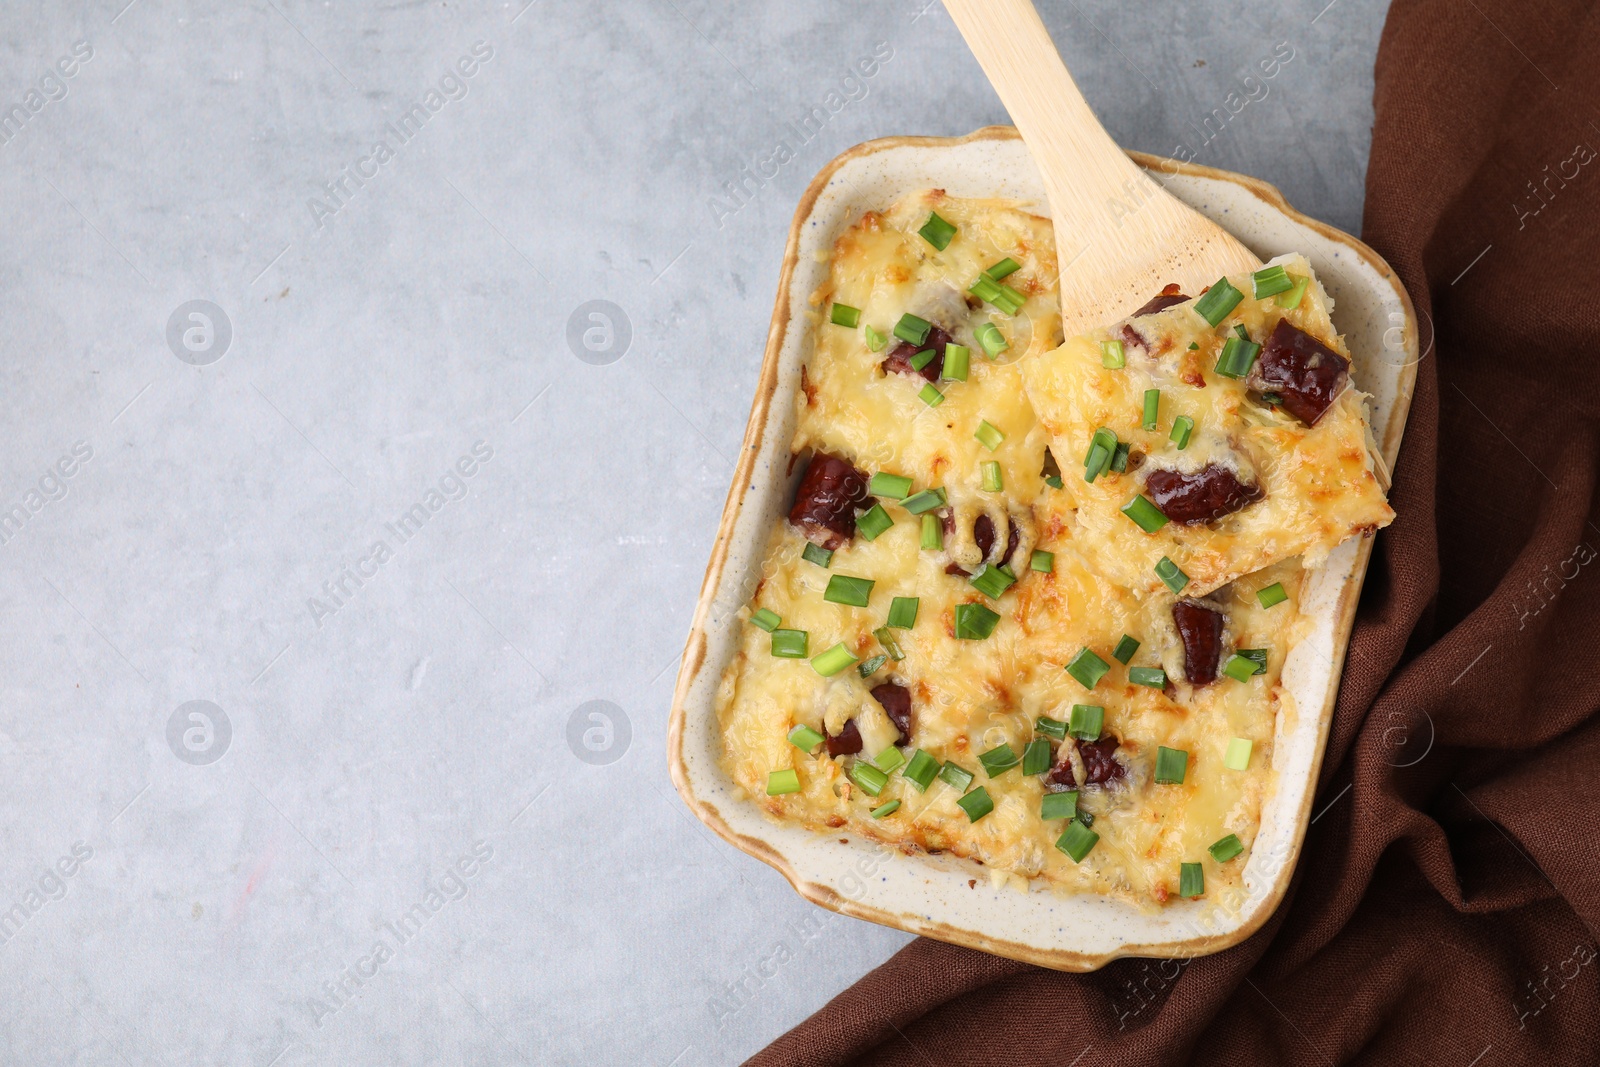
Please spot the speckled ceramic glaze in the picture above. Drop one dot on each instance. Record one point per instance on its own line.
(936, 896)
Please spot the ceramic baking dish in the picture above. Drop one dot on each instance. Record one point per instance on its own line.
(934, 895)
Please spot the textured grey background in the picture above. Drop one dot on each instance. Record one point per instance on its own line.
(374, 342)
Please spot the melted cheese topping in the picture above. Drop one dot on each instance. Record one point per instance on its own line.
(1319, 481)
(882, 266)
(969, 696)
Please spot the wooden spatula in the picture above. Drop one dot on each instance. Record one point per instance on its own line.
(1120, 236)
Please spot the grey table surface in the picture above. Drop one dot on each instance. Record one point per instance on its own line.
(311, 588)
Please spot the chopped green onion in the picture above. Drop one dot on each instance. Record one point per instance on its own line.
(992, 581)
(1193, 346)
(1087, 721)
(1227, 848)
(1112, 356)
(1003, 297)
(1182, 427)
(1259, 655)
(813, 553)
(845, 315)
(1291, 299)
(1003, 268)
(1088, 668)
(1103, 438)
(1240, 332)
(986, 289)
(993, 479)
(869, 778)
(790, 644)
(1242, 668)
(1102, 446)
(889, 760)
(998, 760)
(993, 341)
(871, 666)
(903, 612)
(1152, 408)
(1042, 561)
(1059, 805)
(1010, 300)
(1051, 727)
(1077, 840)
(931, 396)
(932, 533)
(937, 232)
(922, 359)
(1238, 754)
(1270, 281)
(1145, 514)
(1036, 757)
(955, 776)
(974, 622)
(1119, 458)
(886, 809)
(1216, 302)
(1150, 677)
(957, 362)
(1238, 355)
(924, 501)
(921, 771)
(834, 660)
(1099, 460)
(890, 643)
(873, 522)
(781, 782)
(976, 804)
(1085, 817)
(1172, 764)
(893, 486)
(1272, 595)
(765, 619)
(1191, 880)
(1054, 481)
(911, 329)
(988, 436)
(805, 738)
(1173, 578)
(875, 340)
(1125, 649)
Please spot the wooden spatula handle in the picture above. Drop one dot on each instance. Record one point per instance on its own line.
(1081, 164)
(1119, 235)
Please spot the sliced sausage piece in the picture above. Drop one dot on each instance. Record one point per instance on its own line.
(983, 534)
(1100, 765)
(1061, 777)
(825, 504)
(848, 741)
(948, 519)
(896, 701)
(983, 537)
(1199, 496)
(899, 359)
(1200, 626)
(1304, 372)
(1169, 296)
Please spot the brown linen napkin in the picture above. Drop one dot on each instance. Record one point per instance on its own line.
(1446, 906)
